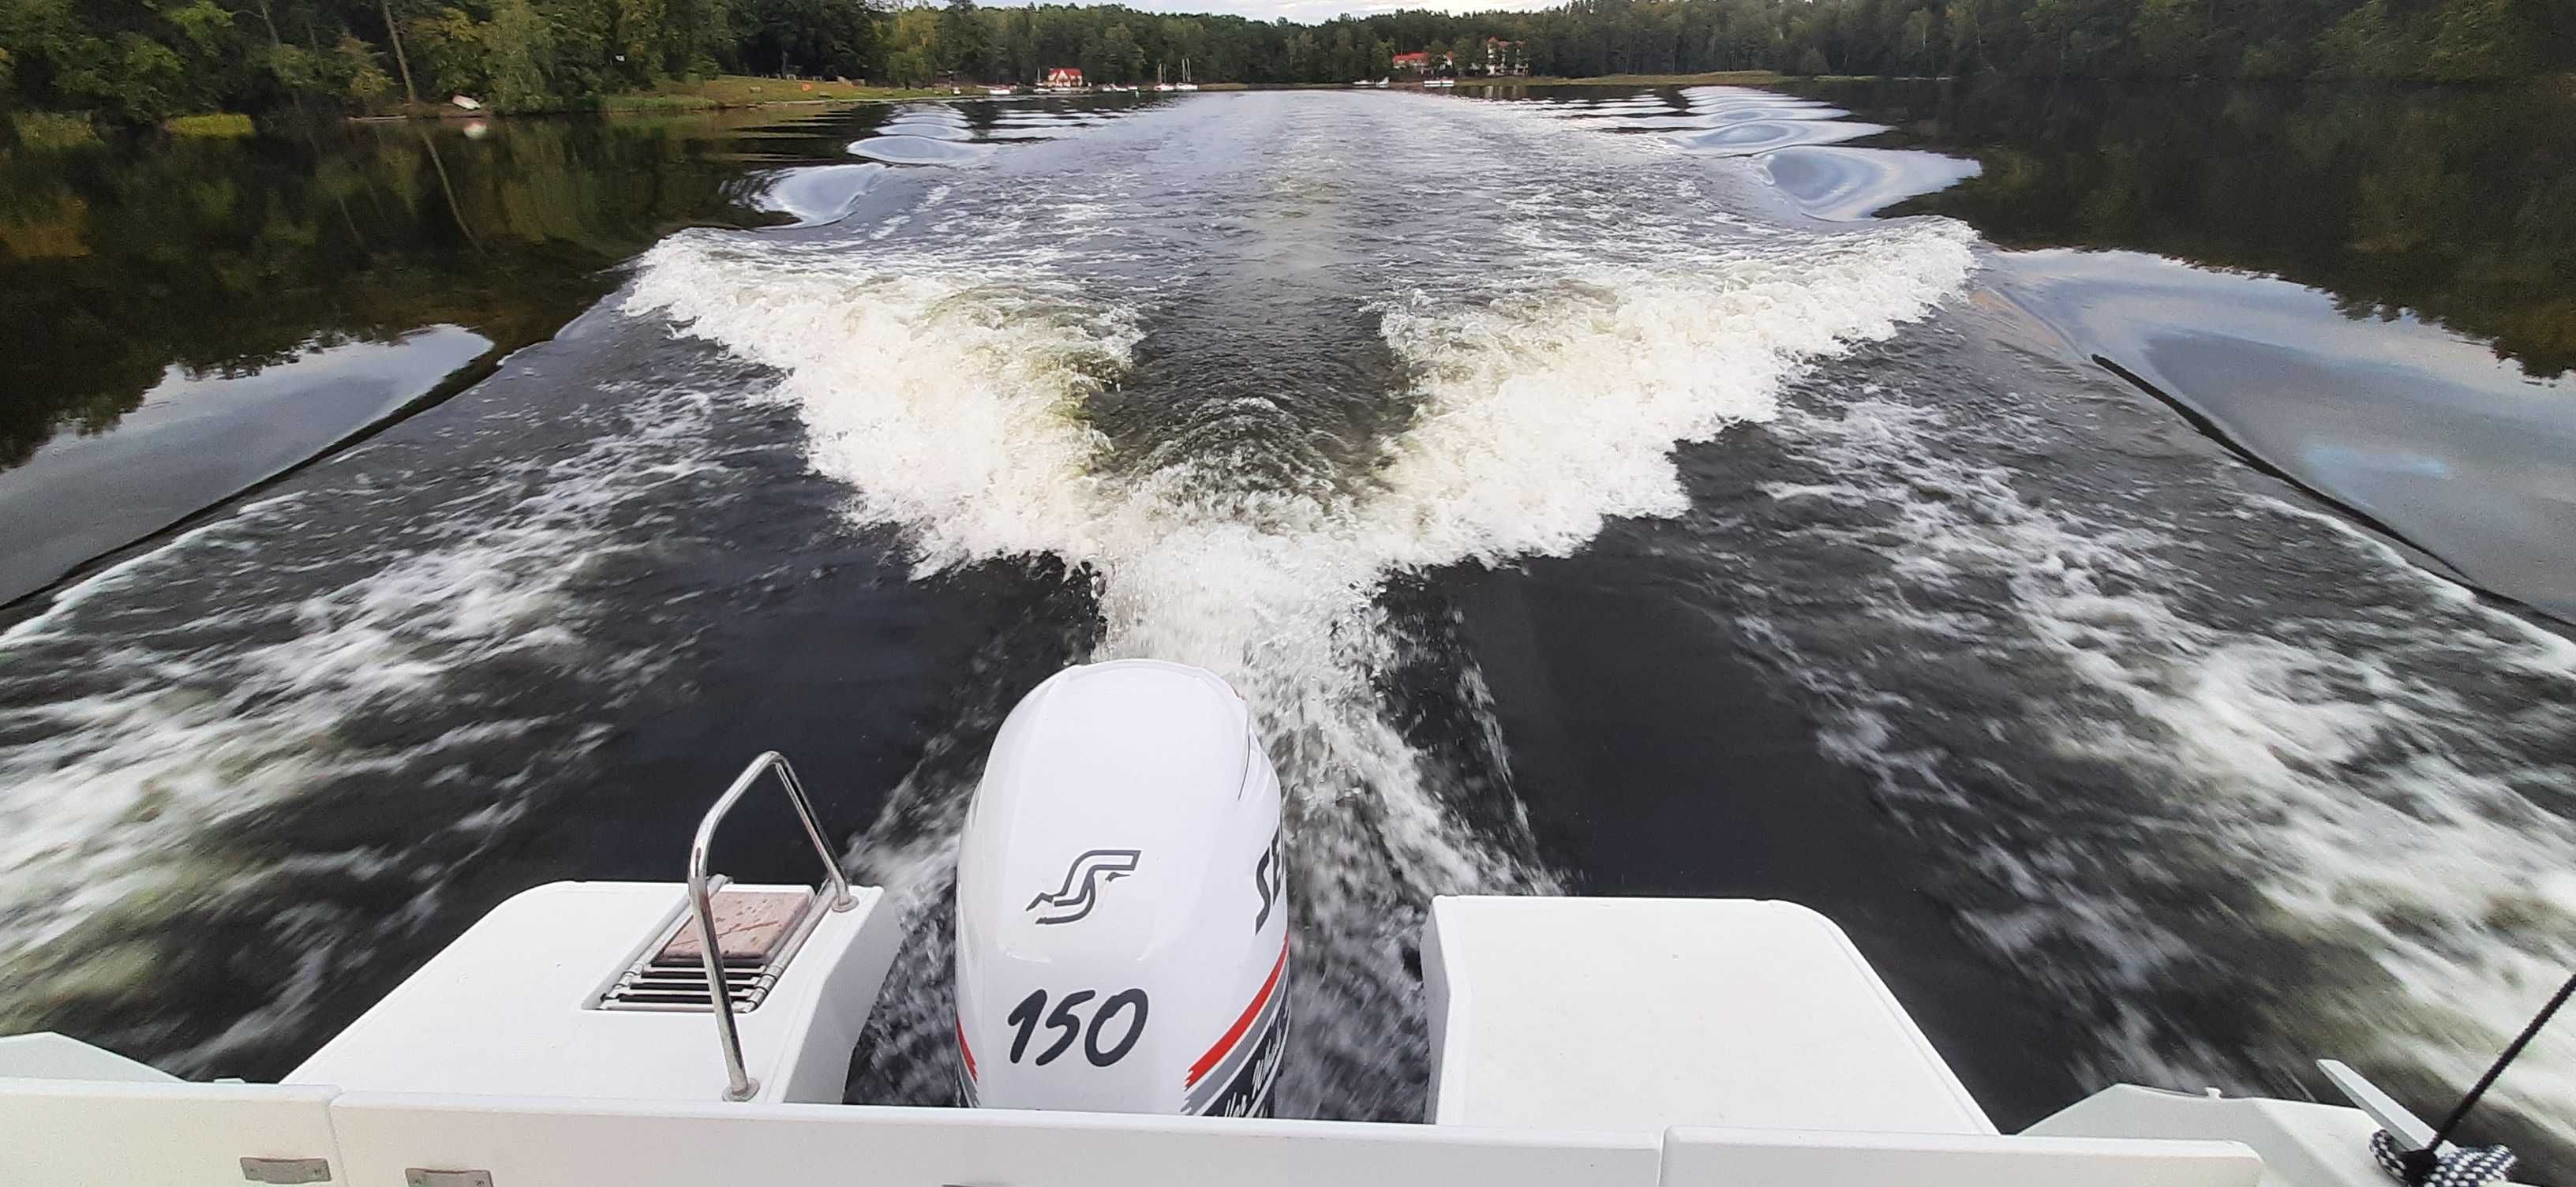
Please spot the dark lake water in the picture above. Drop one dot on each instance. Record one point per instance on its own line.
(2110, 550)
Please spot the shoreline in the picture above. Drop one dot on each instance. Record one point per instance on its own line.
(738, 92)
(1712, 78)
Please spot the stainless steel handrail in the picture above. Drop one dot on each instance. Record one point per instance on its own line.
(738, 1083)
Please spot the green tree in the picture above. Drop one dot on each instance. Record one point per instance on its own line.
(2367, 44)
(1914, 42)
(2171, 36)
(521, 46)
(139, 60)
(358, 75)
(2480, 40)
(962, 41)
(830, 38)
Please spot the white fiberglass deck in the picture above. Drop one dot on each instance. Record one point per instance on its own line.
(509, 1008)
(1600, 1013)
(1578, 1043)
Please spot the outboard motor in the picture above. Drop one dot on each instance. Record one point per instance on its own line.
(1122, 914)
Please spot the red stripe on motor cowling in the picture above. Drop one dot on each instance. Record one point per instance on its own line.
(1233, 1035)
(968, 1052)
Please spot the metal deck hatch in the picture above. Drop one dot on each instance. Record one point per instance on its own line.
(757, 933)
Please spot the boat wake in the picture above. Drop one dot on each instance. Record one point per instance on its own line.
(956, 397)
(2301, 832)
(1215, 381)
(188, 739)
(2225, 774)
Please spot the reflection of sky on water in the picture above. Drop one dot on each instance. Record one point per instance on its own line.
(818, 193)
(1784, 134)
(1748, 137)
(1850, 183)
(916, 134)
(928, 131)
(931, 134)
(195, 441)
(941, 124)
(2418, 427)
(2339, 457)
(918, 150)
(964, 133)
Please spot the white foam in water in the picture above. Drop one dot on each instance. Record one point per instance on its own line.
(2331, 763)
(1552, 410)
(949, 391)
(111, 797)
(1784, 136)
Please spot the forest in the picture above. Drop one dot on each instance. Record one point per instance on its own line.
(140, 61)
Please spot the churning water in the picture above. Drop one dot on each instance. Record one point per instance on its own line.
(1259, 382)
(1241, 364)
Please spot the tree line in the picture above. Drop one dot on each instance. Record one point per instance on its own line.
(2353, 190)
(122, 258)
(143, 60)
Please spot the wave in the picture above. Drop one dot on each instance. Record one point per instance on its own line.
(178, 732)
(952, 395)
(2368, 792)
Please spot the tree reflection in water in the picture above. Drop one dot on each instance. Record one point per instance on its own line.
(2456, 203)
(124, 258)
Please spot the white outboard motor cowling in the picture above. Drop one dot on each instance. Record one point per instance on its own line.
(1122, 917)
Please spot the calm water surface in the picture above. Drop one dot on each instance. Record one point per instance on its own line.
(2107, 550)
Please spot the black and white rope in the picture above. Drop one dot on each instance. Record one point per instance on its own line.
(2454, 1166)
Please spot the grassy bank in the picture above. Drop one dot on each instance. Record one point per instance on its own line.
(229, 125)
(703, 94)
(1739, 77)
(52, 129)
(736, 90)
(63, 129)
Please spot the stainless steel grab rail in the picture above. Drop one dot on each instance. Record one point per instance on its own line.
(738, 1083)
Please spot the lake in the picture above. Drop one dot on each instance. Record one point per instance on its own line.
(2108, 549)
